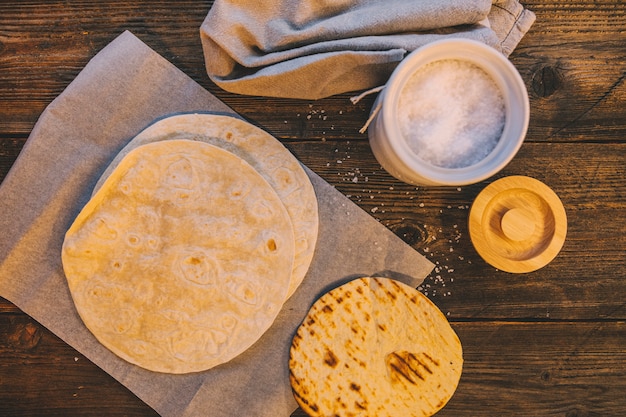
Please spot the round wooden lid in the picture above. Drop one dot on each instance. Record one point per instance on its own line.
(517, 224)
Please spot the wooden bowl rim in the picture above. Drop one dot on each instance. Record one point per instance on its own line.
(483, 234)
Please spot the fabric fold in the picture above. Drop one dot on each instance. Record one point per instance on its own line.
(511, 21)
(310, 49)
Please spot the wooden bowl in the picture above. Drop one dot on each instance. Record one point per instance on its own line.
(517, 224)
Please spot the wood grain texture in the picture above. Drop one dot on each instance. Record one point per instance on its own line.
(546, 343)
(40, 375)
(511, 368)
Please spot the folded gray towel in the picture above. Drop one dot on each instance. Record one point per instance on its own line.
(312, 49)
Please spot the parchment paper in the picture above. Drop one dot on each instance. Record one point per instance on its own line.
(122, 90)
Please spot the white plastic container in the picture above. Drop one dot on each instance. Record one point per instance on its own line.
(390, 146)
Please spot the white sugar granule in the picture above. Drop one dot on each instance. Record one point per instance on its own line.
(451, 113)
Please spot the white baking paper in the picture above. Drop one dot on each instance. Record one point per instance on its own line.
(122, 90)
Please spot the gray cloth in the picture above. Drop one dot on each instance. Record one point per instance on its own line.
(312, 49)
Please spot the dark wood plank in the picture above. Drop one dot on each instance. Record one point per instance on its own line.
(41, 375)
(584, 282)
(556, 369)
(556, 59)
(10, 148)
(59, 37)
(8, 307)
(574, 66)
(570, 369)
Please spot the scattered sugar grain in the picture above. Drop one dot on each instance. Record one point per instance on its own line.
(451, 113)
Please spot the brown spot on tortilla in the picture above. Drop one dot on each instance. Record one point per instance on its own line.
(355, 387)
(327, 309)
(398, 288)
(436, 362)
(295, 344)
(402, 365)
(292, 378)
(304, 402)
(359, 405)
(330, 359)
(413, 359)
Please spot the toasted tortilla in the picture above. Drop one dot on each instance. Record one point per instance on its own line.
(263, 152)
(182, 259)
(374, 347)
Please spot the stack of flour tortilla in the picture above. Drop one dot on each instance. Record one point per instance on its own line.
(194, 237)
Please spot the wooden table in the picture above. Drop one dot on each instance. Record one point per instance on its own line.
(546, 343)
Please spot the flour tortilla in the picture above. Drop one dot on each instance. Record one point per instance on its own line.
(182, 259)
(374, 347)
(261, 150)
